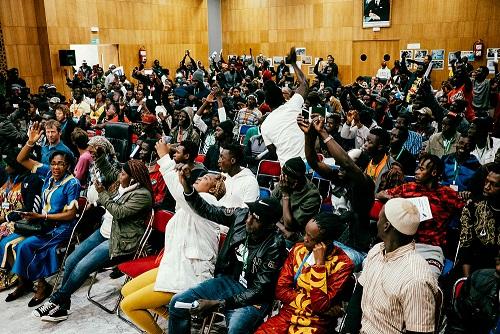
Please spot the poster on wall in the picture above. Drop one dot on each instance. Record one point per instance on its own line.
(310, 70)
(409, 54)
(306, 60)
(490, 63)
(277, 59)
(438, 65)
(491, 53)
(420, 54)
(451, 56)
(376, 13)
(437, 54)
(468, 54)
(300, 51)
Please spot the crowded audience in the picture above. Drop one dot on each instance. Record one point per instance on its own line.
(298, 204)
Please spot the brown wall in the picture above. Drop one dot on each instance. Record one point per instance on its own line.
(164, 27)
(271, 27)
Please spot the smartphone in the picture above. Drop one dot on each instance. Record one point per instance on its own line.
(148, 72)
(167, 139)
(305, 114)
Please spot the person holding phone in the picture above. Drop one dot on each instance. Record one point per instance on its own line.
(310, 282)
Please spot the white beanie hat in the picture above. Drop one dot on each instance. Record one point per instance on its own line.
(403, 215)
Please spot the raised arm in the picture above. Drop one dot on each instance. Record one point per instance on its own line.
(303, 88)
(23, 158)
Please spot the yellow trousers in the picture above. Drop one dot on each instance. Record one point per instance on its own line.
(140, 297)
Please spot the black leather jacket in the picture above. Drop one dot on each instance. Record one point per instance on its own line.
(264, 264)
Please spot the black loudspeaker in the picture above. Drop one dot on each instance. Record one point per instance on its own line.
(67, 58)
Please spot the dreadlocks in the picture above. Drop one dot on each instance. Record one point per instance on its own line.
(139, 172)
(220, 186)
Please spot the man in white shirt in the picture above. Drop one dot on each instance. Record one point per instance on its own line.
(280, 131)
(240, 181)
(486, 146)
(384, 73)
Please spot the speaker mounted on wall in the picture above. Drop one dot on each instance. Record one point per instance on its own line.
(67, 58)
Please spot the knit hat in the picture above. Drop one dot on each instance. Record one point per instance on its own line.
(227, 126)
(267, 210)
(403, 215)
(295, 167)
(198, 75)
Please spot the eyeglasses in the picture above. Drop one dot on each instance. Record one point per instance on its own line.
(57, 164)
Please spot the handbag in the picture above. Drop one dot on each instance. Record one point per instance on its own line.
(27, 229)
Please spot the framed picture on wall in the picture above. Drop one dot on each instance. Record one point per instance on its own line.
(376, 13)
(300, 51)
(277, 59)
(492, 52)
(468, 54)
(310, 70)
(409, 54)
(437, 54)
(420, 54)
(307, 60)
(490, 63)
(270, 61)
(438, 65)
(451, 56)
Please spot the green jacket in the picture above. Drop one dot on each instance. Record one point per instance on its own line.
(129, 213)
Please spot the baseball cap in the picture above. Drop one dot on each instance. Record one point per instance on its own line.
(425, 111)
(403, 215)
(268, 210)
(54, 99)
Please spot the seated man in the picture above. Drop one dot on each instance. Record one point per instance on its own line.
(309, 286)
(246, 270)
(476, 308)
(399, 136)
(240, 181)
(396, 286)
(377, 146)
(480, 223)
(445, 142)
(223, 137)
(460, 166)
(299, 198)
(444, 202)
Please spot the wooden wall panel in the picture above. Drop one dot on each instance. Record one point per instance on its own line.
(332, 26)
(164, 27)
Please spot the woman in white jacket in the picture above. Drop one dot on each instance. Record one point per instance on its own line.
(191, 246)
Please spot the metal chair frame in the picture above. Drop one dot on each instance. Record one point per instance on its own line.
(139, 252)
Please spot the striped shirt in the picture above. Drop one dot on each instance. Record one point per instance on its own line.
(414, 143)
(398, 292)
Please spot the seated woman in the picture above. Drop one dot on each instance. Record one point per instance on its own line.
(21, 192)
(191, 245)
(311, 282)
(80, 140)
(36, 256)
(127, 203)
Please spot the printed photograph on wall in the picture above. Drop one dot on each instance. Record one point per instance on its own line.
(277, 59)
(420, 54)
(490, 63)
(437, 54)
(492, 52)
(409, 54)
(438, 64)
(468, 54)
(300, 51)
(452, 55)
(310, 70)
(306, 60)
(376, 13)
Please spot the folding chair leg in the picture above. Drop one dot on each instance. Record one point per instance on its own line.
(96, 303)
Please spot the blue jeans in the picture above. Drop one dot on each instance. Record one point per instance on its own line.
(88, 257)
(239, 321)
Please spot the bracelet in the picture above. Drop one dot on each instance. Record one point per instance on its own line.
(327, 139)
(30, 145)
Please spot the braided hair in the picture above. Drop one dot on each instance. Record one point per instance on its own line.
(330, 226)
(139, 172)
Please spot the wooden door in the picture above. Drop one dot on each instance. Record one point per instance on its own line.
(108, 54)
(374, 51)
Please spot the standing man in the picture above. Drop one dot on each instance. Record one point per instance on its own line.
(280, 130)
(377, 147)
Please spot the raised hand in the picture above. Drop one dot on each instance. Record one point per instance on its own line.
(303, 124)
(34, 133)
(318, 123)
(162, 148)
(292, 56)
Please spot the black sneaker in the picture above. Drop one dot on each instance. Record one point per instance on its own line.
(58, 315)
(45, 309)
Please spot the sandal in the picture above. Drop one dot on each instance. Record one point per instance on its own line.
(7, 280)
(43, 291)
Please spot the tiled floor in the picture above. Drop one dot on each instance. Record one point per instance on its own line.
(16, 317)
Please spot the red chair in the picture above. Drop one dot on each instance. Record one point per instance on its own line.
(139, 253)
(200, 158)
(268, 171)
(375, 210)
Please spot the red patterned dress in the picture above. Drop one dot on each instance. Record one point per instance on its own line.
(315, 291)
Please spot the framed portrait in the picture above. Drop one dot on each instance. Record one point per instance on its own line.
(409, 54)
(437, 54)
(438, 65)
(420, 54)
(468, 54)
(492, 53)
(376, 13)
